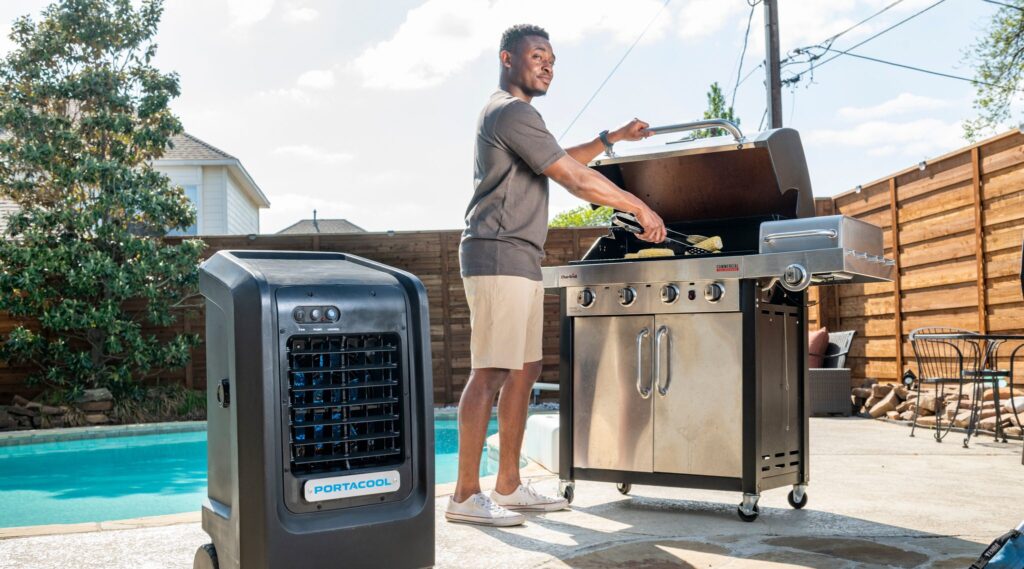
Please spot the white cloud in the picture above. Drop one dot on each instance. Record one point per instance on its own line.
(701, 18)
(242, 13)
(917, 138)
(317, 79)
(297, 14)
(440, 37)
(290, 95)
(903, 103)
(313, 154)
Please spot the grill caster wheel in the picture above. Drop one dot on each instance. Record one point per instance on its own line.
(567, 490)
(624, 488)
(747, 517)
(206, 557)
(793, 502)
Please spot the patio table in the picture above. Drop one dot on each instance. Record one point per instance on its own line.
(988, 370)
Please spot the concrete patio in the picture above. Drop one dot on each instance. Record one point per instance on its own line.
(877, 499)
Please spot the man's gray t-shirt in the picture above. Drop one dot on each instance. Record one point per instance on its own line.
(507, 219)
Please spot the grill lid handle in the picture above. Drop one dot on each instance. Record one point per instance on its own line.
(689, 126)
(733, 129)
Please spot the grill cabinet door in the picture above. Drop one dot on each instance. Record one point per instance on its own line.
(611, 420)
(698, 398)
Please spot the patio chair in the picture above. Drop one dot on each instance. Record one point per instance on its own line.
(829, 385)
(940, 362)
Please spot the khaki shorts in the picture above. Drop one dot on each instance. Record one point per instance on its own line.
(506, 315)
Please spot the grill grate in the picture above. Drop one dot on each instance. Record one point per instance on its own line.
(345, 402)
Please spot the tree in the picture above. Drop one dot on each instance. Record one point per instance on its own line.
(999, 70)
(716, 110)
(83, 113)
(583, 216)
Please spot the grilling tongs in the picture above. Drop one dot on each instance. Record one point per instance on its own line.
(629, 222)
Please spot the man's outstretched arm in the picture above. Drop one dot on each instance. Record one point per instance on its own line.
(635, 129)
(591, 186)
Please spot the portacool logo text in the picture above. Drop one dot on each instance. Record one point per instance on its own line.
(349, 486)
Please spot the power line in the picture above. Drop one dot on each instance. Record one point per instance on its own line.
(831, 39)
(743, 52)
(864, 21)
(826, 48)
(614, 69)
(1004, 5)
(922, 70)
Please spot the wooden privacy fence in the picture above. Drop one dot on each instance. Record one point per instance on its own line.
(955, 226)
(433, 256)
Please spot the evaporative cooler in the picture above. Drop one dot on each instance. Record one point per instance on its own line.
(320, 422)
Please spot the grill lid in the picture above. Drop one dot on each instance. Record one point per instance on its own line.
(716, 178)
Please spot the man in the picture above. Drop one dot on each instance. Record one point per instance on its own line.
(500, 255)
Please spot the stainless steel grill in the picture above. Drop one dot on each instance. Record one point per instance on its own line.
(689, 370)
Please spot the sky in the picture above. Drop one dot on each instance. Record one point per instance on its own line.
(367, 110)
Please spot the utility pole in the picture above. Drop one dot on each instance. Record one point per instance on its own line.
(771, 63)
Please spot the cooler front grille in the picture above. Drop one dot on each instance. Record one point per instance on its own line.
(345, 402)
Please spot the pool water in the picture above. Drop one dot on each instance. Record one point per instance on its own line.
(129, 477)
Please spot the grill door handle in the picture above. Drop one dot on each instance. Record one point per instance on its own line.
(644, 392)
(662, 333)
(830, 233)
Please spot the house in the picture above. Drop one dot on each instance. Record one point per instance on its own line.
(227, 200)
(6, 208)
(322, 226)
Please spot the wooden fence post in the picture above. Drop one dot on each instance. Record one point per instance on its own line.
(897, 291)
(979, 238)
(446, 307)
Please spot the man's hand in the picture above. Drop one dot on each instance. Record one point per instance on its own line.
(654, 227)
(635, 129)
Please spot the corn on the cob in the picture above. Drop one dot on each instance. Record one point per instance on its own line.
(710, 244)
(655, 252)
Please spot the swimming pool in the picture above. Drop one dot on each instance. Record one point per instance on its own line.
(117, 478)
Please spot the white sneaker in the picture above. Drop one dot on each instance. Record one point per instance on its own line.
(479, 509)
(527, 499)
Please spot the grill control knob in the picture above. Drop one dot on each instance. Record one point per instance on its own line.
(315, 314)
(585, 298)
(331, 314)
(795, 278)
(299, 315)
(627, 295)
(714, 292)
(669, 293)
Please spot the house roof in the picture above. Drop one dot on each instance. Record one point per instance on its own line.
(322, 226)
(188, 150)
(184, 146)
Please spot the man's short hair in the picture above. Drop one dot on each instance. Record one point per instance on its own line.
(512, 36)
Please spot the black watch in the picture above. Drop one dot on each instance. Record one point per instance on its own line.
(607, 143)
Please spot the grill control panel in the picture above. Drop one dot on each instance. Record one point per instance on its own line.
(653, 298)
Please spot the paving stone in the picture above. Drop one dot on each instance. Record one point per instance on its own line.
(857, 550)
(881, 390)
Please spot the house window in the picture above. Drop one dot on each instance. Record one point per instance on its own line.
(192, 193)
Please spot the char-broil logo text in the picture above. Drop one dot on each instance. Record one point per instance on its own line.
(568, 277)
(727, 268)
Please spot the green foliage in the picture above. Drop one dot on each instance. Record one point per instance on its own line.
(716, 110)
(999, 69)
(583, 216)
(83, 263)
